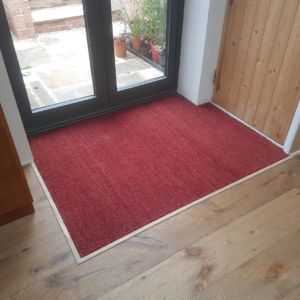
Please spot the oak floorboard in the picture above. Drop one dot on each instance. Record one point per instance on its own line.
(201, 264)
(103, 273)
(32, 229)
(293, 295)
(271, 274)
(42, 260)
(40, 199)
(33, 222)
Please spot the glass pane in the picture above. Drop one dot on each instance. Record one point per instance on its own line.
(51, 45)
(139, 28)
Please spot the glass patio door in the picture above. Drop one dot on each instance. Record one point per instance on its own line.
(73, 60)
(151, 30)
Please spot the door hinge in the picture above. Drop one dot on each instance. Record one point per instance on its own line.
(215, 75)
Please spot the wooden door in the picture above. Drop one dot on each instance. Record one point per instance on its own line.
(15, 197)
(258, 71)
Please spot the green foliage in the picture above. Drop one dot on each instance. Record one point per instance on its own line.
(25, 71)
(154, 16)
(162, 17)
(129, 12)
(26, 68)
(136, 27)
(159, 48)
(148, 16)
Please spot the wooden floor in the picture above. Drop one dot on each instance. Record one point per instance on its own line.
(243, 243)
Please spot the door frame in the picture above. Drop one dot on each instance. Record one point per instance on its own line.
(89, 107)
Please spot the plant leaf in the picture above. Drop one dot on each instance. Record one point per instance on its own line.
(26, 68)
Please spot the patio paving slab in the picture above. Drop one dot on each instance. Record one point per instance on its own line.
(60, 67)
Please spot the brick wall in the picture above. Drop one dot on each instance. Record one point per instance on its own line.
(19, 18)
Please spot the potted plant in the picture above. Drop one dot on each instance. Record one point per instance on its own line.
(130, 14)
(120, 46)
(161, 54)
(154, 16)
(136, 29)
(145, 49)
(121, 15)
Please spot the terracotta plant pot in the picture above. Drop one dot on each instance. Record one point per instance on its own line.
(155, 54)
(136, 43)
(120, 49)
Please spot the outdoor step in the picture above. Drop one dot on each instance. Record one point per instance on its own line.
(59, 13)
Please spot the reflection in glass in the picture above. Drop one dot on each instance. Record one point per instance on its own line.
(139, 28)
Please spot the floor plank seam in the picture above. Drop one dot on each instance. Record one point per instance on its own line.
(297, 229)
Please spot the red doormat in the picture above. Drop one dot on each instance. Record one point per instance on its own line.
(113, 174)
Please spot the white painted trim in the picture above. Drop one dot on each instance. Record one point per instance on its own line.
(293, 130)
(233, 116)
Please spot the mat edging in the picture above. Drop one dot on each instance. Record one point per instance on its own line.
(67, 235)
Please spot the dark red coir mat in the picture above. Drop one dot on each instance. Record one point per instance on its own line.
(113, 174)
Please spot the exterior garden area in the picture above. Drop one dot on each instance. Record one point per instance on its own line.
(51, 45)
(143, 30)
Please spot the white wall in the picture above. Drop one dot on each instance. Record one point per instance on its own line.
(201, 36)
(12, 115)
(293, 130)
